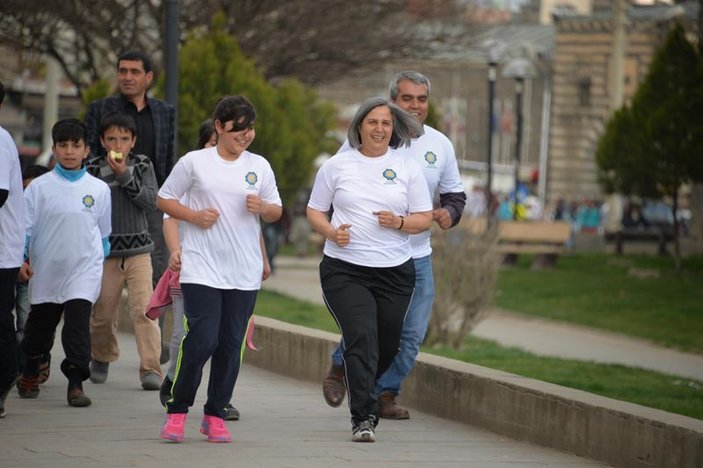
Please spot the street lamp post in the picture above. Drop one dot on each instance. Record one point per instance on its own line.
(519, 87)
(495, 50)
(519, 69)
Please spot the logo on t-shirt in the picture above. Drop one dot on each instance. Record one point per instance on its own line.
(251, 178)
(390, 175)
(431, 158)
(88, 201)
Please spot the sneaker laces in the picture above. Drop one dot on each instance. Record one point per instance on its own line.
(176, 418)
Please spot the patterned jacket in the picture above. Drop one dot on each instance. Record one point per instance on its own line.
(133, 197)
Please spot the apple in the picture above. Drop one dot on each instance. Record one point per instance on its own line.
(116, 156)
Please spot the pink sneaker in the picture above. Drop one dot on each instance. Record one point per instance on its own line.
(215, 430)
(174, 427)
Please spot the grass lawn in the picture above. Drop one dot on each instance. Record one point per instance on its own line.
(601, 291)
(676, 395)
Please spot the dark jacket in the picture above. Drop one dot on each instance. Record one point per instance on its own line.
(164, 117)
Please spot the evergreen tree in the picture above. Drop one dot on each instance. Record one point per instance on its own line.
(654, 146)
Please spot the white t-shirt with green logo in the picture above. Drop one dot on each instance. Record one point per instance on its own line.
(228, 254)
(66, 222)
(357, 186)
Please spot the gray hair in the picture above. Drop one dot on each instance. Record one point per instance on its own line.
(416, 77)
(405, 126)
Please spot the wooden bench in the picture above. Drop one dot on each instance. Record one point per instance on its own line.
(546, 239)
(659, 234)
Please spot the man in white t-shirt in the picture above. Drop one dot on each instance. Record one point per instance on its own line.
(411, 91)
(11, 248)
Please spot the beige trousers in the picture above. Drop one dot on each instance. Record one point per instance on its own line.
(135, 272)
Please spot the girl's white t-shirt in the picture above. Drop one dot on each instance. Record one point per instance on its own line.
(357, 186)
(66, 222)
(228, 254)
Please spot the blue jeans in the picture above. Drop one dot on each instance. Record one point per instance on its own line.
(414, 329)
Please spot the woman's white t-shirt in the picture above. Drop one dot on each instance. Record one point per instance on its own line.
(66, 222)
(228, 254)
(357, 186)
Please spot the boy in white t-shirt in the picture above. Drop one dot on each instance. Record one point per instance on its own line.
(68, 223)
(11, 242)
(228, 191)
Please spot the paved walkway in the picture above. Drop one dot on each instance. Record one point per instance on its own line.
(285, 423)
(299, 278)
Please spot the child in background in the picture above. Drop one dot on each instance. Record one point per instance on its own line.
(22, 294)
(133, 190)
(68, 223)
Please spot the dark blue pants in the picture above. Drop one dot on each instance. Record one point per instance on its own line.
(8, 334)
(216, 324)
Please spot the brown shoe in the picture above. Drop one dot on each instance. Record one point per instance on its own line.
(333, 387)
(77, 398)
(388, 409)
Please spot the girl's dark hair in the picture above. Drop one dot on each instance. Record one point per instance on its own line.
(235, 109)
(207, 128)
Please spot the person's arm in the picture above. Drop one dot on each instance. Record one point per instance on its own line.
(452, 207)
(202, 218)
(173, 243)
(269, 212)
(412, 223)
(321, 224)
(140, 184)
(267, 266)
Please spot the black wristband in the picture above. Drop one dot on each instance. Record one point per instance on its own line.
(402, 221)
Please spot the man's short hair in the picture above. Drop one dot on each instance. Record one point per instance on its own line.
(416, 77)
(136, 55)
(236, 109)
(69, 130)
(118, 119)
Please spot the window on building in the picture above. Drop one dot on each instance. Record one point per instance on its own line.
(584, 85)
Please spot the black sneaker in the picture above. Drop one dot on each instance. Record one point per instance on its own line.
(231, 413)
(165, 390)
(364, 432)
(3, 397)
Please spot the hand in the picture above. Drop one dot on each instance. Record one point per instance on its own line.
(254, 203)
(206, 218)
(442, 217)
(267, 270)
(118, 168)
(174, 261)
(387, 219)
(341, 236)
(25, 273)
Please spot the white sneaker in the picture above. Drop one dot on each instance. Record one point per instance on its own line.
(364, 432)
